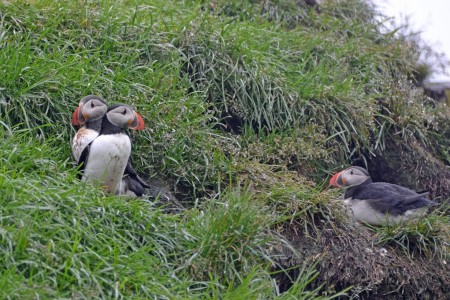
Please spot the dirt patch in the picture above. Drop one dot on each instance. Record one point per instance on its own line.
(413, 166)
(346, 256)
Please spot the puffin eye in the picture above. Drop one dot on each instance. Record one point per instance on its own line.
(124, 112)
(351, 172)
(92, 104)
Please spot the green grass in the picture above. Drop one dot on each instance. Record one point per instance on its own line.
(63, 238)
(424, 237)
(249, 107)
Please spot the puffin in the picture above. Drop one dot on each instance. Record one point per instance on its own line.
(89, 114)
(379, 203)
(106, 158)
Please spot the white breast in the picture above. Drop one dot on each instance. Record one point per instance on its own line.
(363, 212)
(81, 139)
(107, 160)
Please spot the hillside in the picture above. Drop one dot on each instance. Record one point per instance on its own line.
(249, 106)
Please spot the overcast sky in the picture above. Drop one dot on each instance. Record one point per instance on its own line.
(431, 17)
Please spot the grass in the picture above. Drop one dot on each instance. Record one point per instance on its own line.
(424, 237)
(62, 238)
(249, 106)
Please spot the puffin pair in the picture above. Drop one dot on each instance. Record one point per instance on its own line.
(379, 203)
(102, 147)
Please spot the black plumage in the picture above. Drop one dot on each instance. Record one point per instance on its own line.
(379, 202)
(131, 182)
(388, 198)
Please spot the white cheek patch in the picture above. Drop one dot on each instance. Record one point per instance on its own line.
(118, 119)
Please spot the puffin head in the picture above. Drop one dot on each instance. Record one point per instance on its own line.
(124, 116)
(350, 177)
(90, 108)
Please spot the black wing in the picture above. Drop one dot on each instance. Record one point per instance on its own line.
(133, 186)
(379, 190)
(131, 172)
(391, 198)
(83, 160)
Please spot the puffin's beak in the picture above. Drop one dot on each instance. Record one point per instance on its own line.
(75, 119)
(334, 179)
(137, 123)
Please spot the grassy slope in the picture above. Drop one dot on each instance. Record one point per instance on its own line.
(245, 104)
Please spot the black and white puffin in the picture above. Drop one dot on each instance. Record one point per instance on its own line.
(89, 114)
(105, 159)
(379, 203)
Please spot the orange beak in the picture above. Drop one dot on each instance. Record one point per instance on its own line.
(75, 119)
(334, 179)
(138, 122)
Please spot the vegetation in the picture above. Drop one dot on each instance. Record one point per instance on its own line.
(249, 106)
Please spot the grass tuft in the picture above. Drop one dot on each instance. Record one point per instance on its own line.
(426, 237)
(248, 105)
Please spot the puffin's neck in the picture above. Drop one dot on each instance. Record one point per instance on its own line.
(94, 125)
(109, 128)
(350, 191)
